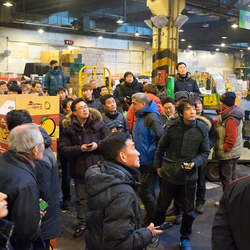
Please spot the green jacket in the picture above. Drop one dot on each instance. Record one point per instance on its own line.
(182, 143)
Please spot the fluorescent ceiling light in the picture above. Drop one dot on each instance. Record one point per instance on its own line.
(181, 30)
(8, 4)
(183, 40)
(217, 49)
(120, 21)
(223, 45)
(189, 46)
(234, 26)
(224, 37)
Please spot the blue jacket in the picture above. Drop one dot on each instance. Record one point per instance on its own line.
(146, 134)
(54, 79)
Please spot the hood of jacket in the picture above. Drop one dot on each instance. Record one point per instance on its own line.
(95, 114)
(205, 120)
(182, 79)
(234, 112)
(47, 139)
(150, 108)
(106, 174)
(55, 71)
(133, 83)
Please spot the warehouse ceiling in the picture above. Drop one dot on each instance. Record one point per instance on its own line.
(209, 20)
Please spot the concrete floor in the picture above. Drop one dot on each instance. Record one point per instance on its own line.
(201, 237)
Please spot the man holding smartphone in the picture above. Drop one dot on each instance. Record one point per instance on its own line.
(80, 141)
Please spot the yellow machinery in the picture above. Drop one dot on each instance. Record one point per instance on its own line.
(85, 77)
(212, 86)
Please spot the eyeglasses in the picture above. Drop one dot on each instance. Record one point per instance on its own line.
(82, 108)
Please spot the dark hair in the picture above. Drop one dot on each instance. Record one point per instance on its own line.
(17, 117)
(2, 83)
(122, 80)
(150, 88)
(27, 82)
(34, 83)
(103, 87)
(105, 97)
(53, 62)
(167, 100)
(112, 145)
(59, 89)
(73, 105)
(183, 104)
(196, 99)
(65, 101)
(177, 65)
(86, 87)
(15, 88)
(23, 86)
(128, 73)
(10, 82)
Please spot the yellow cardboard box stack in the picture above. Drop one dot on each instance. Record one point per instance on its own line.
(48, 55)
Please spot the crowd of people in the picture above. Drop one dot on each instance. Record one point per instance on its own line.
(116, 147)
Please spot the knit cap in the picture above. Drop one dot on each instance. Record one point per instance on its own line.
(228, 98)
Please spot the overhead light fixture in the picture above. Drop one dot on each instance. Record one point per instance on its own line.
(189, 46)
(234, 26)
(248, 48)
(241, 50)
(217, 49)
(183, 40)
(100, 37)
(224, 37)
(223, 45)
(148, 42)
(120, 21)
(40, 31)
(181, 30)
(8, 4)
(137, 33)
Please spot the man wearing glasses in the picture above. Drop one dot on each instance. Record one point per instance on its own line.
(80, 140)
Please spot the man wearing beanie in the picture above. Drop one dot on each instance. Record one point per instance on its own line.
(228, 146)
(130, 87)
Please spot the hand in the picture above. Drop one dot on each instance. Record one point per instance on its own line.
(191, 164)
(94, 146)
(42, 213)
(84, 147)
(154, 232)
(159, 172)
(114, 130)
(125, 99)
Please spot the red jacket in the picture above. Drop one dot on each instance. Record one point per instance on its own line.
(131, 118)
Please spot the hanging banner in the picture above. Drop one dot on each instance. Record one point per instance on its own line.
(244, 21)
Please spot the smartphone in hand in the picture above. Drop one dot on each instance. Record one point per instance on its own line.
(43, 205)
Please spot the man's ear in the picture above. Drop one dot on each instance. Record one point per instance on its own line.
(35, 150)
(122, 157)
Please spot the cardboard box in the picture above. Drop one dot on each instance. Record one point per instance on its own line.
(44, 111)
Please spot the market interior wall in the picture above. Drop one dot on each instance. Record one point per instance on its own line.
(118, 55)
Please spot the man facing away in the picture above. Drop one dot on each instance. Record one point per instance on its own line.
(114, 218)
(228, 146)
(146, 134)
(183, 147)
(184, 81)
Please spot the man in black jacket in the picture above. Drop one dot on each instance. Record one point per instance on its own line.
(184, 81)
(47, 181)
(130, 87)
(114, 217)
(19, 182)
(185, 143)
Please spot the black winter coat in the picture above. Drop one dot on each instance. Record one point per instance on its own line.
(231, 222)
(187, 83)
(113, 120)
(74, 135)
(182, 143)
(95, 104)
(114, 218)
(129, 90)
(48, 185)
(19, 182)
